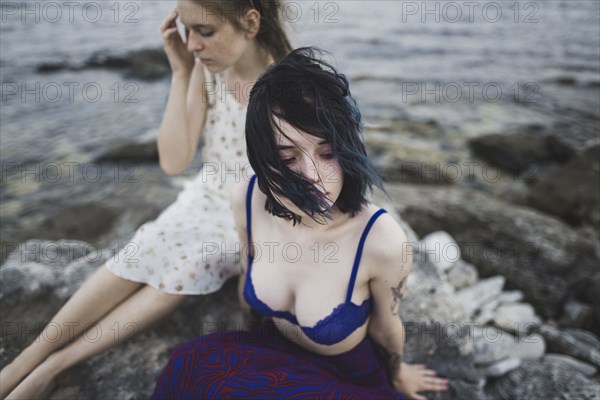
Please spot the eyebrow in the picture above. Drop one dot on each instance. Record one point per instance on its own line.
(201, 26)
(195, 26)
(288, 147)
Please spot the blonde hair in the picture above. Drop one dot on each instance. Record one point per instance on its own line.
(271, 36)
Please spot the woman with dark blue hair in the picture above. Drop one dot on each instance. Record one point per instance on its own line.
(325, 271)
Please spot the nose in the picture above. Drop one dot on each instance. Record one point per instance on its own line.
(194, 42)
(310, 170)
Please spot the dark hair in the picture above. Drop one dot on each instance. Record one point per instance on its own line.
(271, 35)
(310, 95)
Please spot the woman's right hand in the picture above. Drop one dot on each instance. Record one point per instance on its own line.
(413, 378)
(180, 59)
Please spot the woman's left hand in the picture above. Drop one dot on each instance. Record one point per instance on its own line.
(413, 378)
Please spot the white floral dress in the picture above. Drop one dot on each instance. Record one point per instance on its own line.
(192, 247)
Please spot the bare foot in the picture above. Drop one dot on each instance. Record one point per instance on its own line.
(39, 384)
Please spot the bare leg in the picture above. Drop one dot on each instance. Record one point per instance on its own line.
(99, 294)
(139, 311)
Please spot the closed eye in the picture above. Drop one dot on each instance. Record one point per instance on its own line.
(205, 33)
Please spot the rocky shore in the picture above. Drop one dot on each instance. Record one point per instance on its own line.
(487, 340)
(504, 299)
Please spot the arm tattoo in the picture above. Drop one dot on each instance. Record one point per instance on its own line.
(397, 293)
(393, 360)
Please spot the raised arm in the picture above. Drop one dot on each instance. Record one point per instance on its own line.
(182, 121)
(389, 270)
(185, 113)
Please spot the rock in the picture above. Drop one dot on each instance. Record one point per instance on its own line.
(379, 198)
(486, 313)
(491, 345)
(462, 274)
(541, 256)
(476, 296)
(591, 294)
(592, 289)
(578, 343)
(84, 222)
(34, 289)
(411, 171)
(585, 368)
(428, 299)
(516, 317)
(565, 80)
(511, 296)
(426, 344)
(543, 379)
(571, 191)
(148, 64)
(132, 152)
(441, 249)
(530, 347)
(576, 315)
(37, 267)
(517, 152)
(52, 67)
(501, 367)
(104, 212)
(406, 153)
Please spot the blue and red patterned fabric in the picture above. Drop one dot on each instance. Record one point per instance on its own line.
(262, 364)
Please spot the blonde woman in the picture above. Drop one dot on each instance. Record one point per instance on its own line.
(222, 57)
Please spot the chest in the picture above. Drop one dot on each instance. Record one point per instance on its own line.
(308, 277)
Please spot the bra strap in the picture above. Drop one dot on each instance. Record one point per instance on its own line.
(249, 211)
(361, 244)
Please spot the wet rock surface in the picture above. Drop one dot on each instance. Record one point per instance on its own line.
(503, 299)
(481, 360)
(517, 152)
(546, 259)
(571, 191)
(145, 64)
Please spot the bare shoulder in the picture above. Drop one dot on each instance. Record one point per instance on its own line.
(238, 194)
(237, 199)
(387, 249)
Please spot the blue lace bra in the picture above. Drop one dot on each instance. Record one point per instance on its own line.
(343, 320)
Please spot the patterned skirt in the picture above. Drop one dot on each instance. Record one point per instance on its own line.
(262, 364)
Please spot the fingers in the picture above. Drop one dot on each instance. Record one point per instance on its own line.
(430, 381)
(436, 384)
(168, 32)
(169, 23)
(425, 379)
(433, 384)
